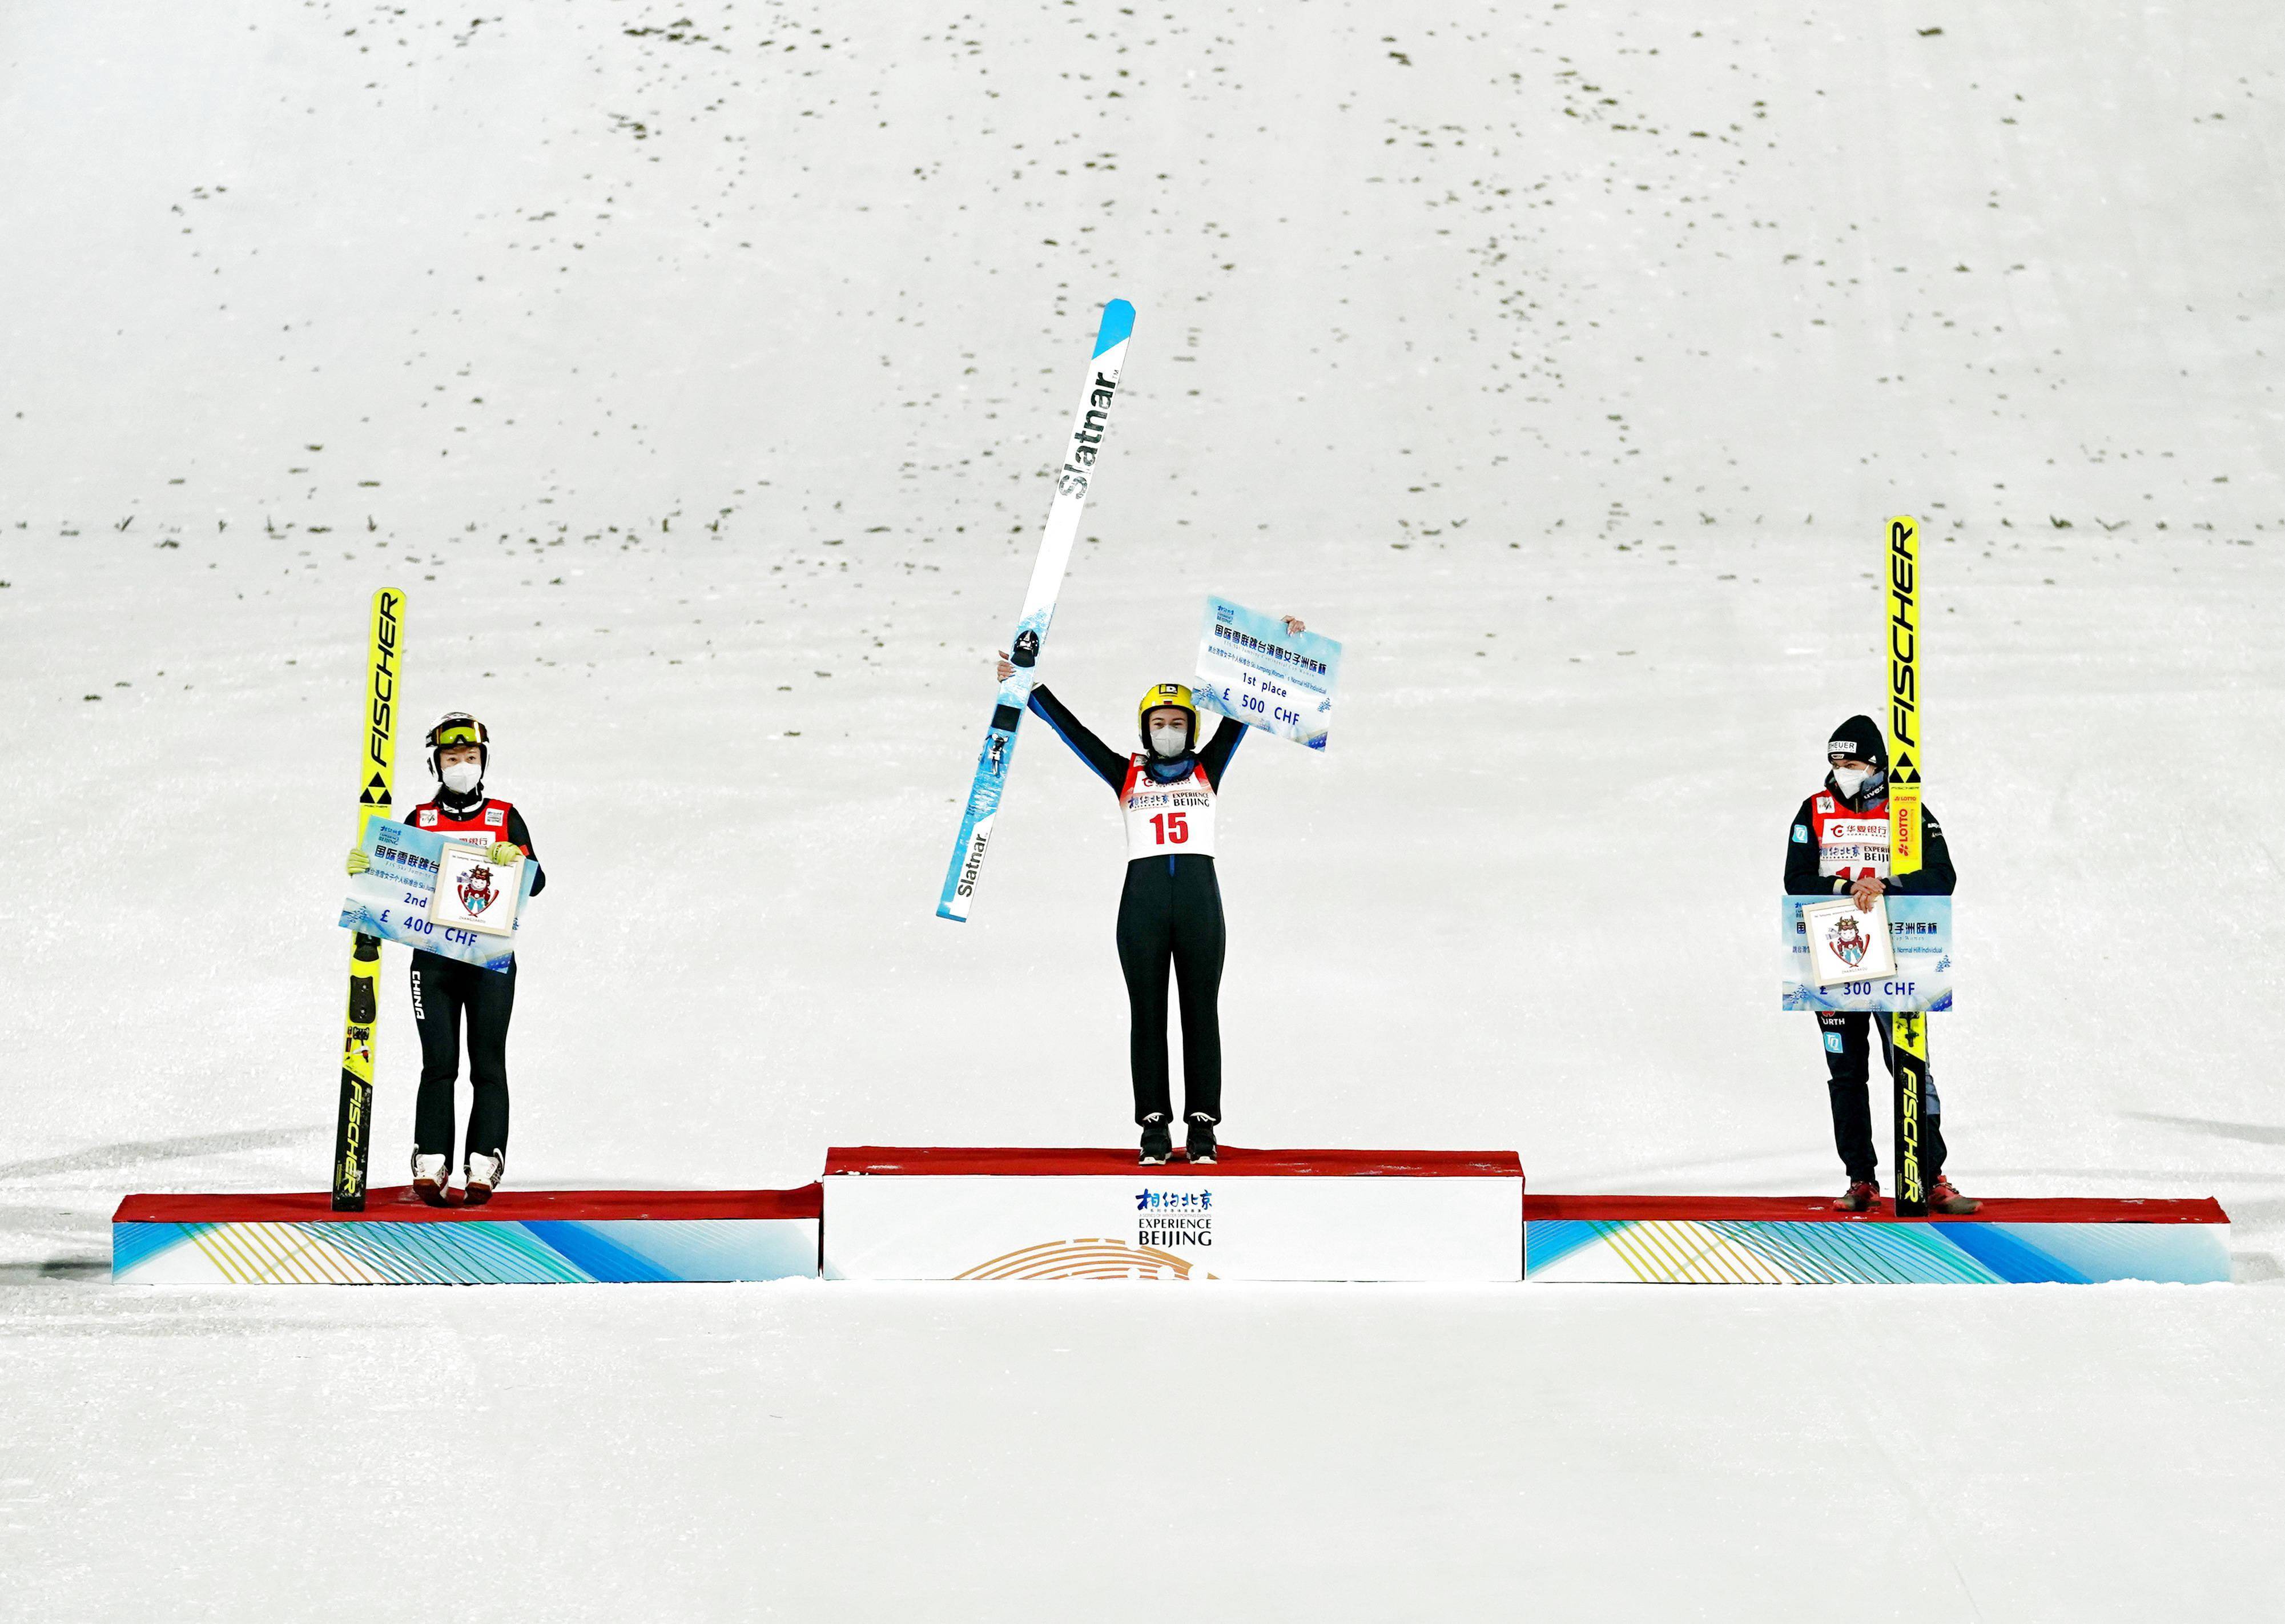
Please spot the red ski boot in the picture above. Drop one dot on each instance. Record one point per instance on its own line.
(1943, 1198)
(1863, 1196)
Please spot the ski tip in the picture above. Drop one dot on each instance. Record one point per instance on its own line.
(945, 911)
(1117, 325)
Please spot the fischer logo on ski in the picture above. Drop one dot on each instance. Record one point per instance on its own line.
(1908, 1030)
(352, 1139)
(381, 733)
(1073, 479)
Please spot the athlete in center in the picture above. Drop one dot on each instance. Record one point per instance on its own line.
(1170, 908)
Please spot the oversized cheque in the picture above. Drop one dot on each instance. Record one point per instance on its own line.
(392, 899)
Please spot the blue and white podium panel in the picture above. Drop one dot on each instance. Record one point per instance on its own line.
(946, 1214)
(522, 1237)
(1800, 1240)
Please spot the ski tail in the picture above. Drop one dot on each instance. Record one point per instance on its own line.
(1072, 481)
(353, 1127)
(1907, 1029)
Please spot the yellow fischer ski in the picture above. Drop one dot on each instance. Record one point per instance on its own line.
(1907, 1029)
(353, 1131)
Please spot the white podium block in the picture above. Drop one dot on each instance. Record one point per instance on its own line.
(947, 1214)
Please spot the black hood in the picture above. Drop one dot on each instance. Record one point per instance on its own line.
(1858, 736)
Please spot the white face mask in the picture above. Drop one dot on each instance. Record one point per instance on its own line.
(463, 776)
(1852, 782)
(1170, 740)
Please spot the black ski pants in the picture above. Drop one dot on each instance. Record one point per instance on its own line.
(1847, 1057)
(444, 991)
(1170, 911)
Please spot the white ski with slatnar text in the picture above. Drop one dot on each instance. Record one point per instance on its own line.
(1071, 483)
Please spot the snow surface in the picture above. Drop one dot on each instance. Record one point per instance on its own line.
(698, 379)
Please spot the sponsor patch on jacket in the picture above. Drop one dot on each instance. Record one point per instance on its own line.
(497, 817)
(1800, 834)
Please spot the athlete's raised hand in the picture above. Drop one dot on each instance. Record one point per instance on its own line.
(1294, 626)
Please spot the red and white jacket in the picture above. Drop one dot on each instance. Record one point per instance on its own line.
(482, 821)
(1834, 843)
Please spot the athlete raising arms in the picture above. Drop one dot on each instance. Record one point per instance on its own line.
(1170, 909)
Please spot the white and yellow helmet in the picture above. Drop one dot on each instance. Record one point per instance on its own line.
(1166, 695)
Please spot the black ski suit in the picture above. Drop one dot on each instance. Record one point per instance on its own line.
(1848, 1049)
(1169, 913)
(444, 991)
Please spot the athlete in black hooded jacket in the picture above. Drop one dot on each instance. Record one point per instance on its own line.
(1840, 844)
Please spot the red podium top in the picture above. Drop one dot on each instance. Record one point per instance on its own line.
(399, 1205)
(1032, 1162)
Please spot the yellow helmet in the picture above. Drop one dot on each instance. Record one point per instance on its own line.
(1160, 697)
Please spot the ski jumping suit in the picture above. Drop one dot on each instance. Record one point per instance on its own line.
(1835, 842)
(443, 989)
(1170, 910)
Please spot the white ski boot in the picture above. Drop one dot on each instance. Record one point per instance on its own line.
(484, 1174)
(430, 1176)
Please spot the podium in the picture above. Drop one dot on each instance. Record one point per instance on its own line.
(951, 1213)
(519, 1238)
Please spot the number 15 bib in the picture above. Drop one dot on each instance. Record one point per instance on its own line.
(1167, 819)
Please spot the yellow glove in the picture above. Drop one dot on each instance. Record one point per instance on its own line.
(504, 852)
(359, 862)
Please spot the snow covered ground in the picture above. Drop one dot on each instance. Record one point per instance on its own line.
(695, 370)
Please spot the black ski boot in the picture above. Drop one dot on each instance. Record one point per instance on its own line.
(1200, 1146)
(1157, 1143)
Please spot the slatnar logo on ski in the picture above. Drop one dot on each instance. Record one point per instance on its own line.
(975, 862)
(1072, 480)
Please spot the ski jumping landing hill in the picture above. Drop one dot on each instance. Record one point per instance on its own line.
(1046, 1214)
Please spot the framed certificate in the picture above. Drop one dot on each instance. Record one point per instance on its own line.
(475, 893)
(1847, 943)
